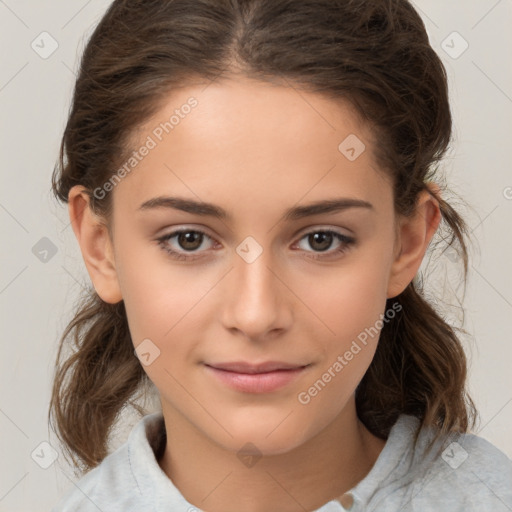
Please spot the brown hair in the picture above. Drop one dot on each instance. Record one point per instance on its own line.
(374, 54)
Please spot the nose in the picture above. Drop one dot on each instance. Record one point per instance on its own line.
(256, 301)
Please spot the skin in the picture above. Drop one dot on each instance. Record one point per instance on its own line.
(256, 149)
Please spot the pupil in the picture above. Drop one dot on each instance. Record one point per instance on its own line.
(189, 237)
(325, 237)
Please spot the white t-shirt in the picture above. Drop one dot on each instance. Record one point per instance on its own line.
(470, 475)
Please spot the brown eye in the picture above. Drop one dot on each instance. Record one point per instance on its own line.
(321, 241)
(184, 244)
(188, 240)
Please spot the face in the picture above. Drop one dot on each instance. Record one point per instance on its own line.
(254, 285)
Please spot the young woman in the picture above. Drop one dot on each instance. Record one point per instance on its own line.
(253, 187)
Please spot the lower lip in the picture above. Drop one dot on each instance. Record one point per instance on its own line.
(256, 382)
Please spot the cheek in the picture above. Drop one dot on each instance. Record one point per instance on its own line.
(164, 306)
(161, 297)
(347, 299)
(350, 302)
(353, 310)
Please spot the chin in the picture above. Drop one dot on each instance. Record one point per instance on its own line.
(271, 437)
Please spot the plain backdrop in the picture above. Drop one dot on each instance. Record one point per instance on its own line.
(38, 288)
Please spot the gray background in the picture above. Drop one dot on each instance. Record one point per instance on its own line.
(37, 290)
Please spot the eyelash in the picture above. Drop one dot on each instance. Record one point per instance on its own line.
(347, 242)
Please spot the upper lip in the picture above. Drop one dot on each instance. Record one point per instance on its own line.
(243, 367)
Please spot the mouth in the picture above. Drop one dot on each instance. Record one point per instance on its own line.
(249, 368)
(256, 378)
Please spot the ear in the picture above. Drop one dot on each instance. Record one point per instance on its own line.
(413, 238)
(95, 244)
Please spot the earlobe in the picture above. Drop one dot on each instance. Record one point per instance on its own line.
(414, 236)
(95, 244)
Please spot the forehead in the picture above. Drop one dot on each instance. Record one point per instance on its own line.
(263, 142)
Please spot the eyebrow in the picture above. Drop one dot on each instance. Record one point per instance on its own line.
(294, 213)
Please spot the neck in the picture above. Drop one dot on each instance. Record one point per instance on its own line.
(305, 478)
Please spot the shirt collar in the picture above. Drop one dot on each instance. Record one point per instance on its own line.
(395, 462)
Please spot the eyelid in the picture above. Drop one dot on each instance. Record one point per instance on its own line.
(323, 227)
(172, 230)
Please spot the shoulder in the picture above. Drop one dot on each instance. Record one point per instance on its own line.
(476, 471)
(108, 486)
(112, 485)
(463, 472)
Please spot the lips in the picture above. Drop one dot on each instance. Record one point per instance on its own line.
(249, 368)
(264, 377)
